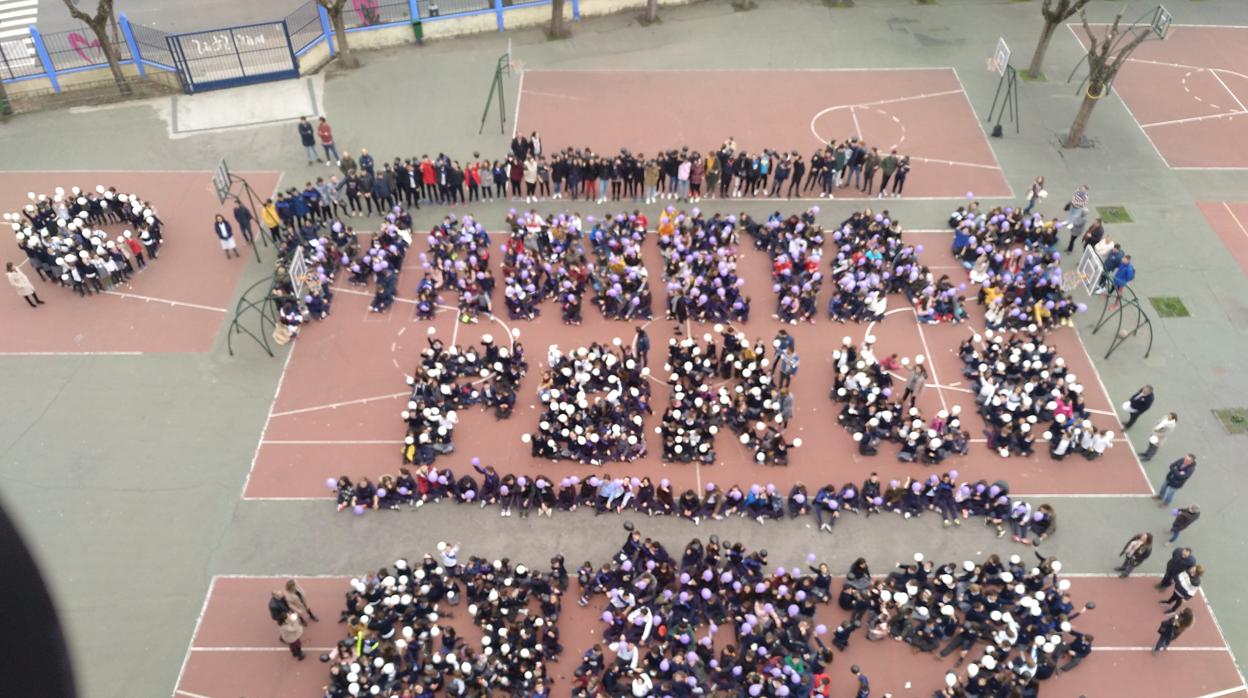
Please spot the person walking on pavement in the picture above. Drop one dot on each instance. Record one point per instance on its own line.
(641, 346)
(1172, 627)
(307, 136)
(1181, 560)
(1134, 553)
(291, 633)
(1160, 433)
(1138, 404)
(21, 283)
(326, 133)
(1180, 472)
(1186, 584)
(1182, 519)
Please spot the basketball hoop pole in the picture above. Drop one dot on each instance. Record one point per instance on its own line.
(255, 215)
(1129, 300)
(1009, 102)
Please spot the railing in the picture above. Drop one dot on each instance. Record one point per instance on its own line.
(50, 56)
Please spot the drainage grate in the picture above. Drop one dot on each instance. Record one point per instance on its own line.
(1113, 214)
(1234, 420)
(1169, 306)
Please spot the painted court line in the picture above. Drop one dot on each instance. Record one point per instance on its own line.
(329, 442)
(1192, 119)
(1222, 635)
(515, 119)
(335, 405)
(265, 429)
(262, 649)
(1235, 218)
(194, 634)
(176, 304)
(956, 163)
(1214, 72)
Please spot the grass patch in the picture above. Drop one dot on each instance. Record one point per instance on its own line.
(1113, 214)
(838, 3)
(1169, 306)
(744, 5)
(1025, 76)
(1234, 420)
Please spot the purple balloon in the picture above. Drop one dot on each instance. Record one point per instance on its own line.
(331, 483)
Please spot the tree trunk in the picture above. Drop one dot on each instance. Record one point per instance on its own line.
(557, 28)
(346, 59)
(1042, 47)
(100, 29)
(6, 108)
(1074, 139)
(652, 11)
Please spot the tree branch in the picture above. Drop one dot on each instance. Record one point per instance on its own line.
(77, 13)
(1087, 29)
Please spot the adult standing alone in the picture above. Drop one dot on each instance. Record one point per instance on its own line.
(225, 234)
(326, 133)
(307, 137)
(21, 283)
(1138, 404)
(1180, 472)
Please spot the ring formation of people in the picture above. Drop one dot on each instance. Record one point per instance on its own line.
(64, 239)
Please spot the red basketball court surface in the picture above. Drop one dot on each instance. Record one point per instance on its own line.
(337, 407)
(235, 651)
(923, 113)
(1188, 94)
(1230, 222)
(176, 305)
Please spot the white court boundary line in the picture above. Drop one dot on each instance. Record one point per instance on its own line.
(176, 304)
(1242, 229)
(212, 583)
(1138, 123)
(336, 405)
(515, 120)
(281, 379)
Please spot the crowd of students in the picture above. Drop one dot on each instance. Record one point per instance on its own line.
(1024, 391)
(1014, 259)
(700, 256)
(873, 411)
(399, 640)
(593, 401)
(64, 239)
(449, 379)
(717, 617)
(942, 494)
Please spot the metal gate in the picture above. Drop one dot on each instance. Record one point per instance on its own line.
(232, 56)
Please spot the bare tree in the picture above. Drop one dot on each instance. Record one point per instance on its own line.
(558, 29)
(99, 23)
(1106, 56)
(652, 12)
(334, 8)
(1055, 12)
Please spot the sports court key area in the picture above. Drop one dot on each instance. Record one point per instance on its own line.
(923, 113)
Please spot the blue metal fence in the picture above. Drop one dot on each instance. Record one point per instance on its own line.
(47, 56)
(305, 27)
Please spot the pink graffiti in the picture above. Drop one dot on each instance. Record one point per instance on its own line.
(87, 49)
(366, 10)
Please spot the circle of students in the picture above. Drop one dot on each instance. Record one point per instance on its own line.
(64, 239)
